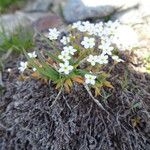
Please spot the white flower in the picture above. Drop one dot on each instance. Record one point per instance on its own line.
(110, 28)
(107, 39)
(106, 32)
(102, 59)
(65, 68)
(76, 24)
(91, 29)
(64, 56)
(92, 59)
(98, 28)
(90, 79)
(23, 66)
(9, 69)
(53, 34)
(34, 69)
(117, 59)
(69, 50)
(88, 42)
(65, 40)
(112, 25)
(82, 28)
(106, 47)
(85, 26)
(86, 23)
(32, 55)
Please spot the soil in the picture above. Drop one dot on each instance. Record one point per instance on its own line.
(75, 122)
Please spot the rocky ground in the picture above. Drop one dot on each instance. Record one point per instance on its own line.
(75, 122)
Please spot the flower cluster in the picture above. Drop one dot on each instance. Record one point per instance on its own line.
(24, 65)
(88, 42)
(66, 56)
(111, 33)
(100, 59)
(65, 67)
(80, 54)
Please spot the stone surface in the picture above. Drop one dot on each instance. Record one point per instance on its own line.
(128, 17)
(49, 21)
(143, 31)
(134, 15)
(11, 21)
(139, 19)
(57, 6)
(76, 10)
(38, 5)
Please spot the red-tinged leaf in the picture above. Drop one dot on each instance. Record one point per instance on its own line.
(78, 79)
(108, 84)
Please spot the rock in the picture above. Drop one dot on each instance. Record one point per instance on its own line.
(11, 21)
(139, 19)
(40, 21)
(57, 6)
(134, 15)
(76, 10)
(144, 8)
(128, 17)
(143, 32)
(49, 21)
(38, 5)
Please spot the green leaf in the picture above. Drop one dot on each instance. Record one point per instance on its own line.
(81, 57)
(54, 57)
(45, 69)
(80, 72)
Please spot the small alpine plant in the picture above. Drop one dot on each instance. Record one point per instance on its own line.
(77, 56)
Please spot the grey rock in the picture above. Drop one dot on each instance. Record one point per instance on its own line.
(76, 10)
(38, 5)
(10, 21)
